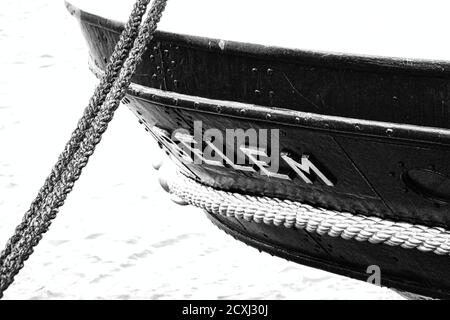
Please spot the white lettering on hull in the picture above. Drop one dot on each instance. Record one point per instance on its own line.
(188, 150)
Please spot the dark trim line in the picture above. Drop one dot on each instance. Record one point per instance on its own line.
(311, 58)
(307, 120)
(294, 118)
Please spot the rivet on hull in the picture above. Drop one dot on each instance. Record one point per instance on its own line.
(389, 132)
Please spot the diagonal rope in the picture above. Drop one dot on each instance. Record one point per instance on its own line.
(117, 59)
(100, 111)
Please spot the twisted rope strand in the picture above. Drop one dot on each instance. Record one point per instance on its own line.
(117, 59)
(38, 224)
(291, 214)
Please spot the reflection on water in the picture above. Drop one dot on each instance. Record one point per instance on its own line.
(118, 236)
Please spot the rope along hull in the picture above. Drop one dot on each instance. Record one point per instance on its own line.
(338, 242)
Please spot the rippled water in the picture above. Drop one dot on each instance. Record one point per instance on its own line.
(118, 235)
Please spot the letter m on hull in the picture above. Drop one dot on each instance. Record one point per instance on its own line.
(306, 169)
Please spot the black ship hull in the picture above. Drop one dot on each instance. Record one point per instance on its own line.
(363, 135)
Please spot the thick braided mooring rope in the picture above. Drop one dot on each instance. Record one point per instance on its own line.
(94, 122)
(291, 214)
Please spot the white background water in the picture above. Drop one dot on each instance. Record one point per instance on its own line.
(118, 236)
